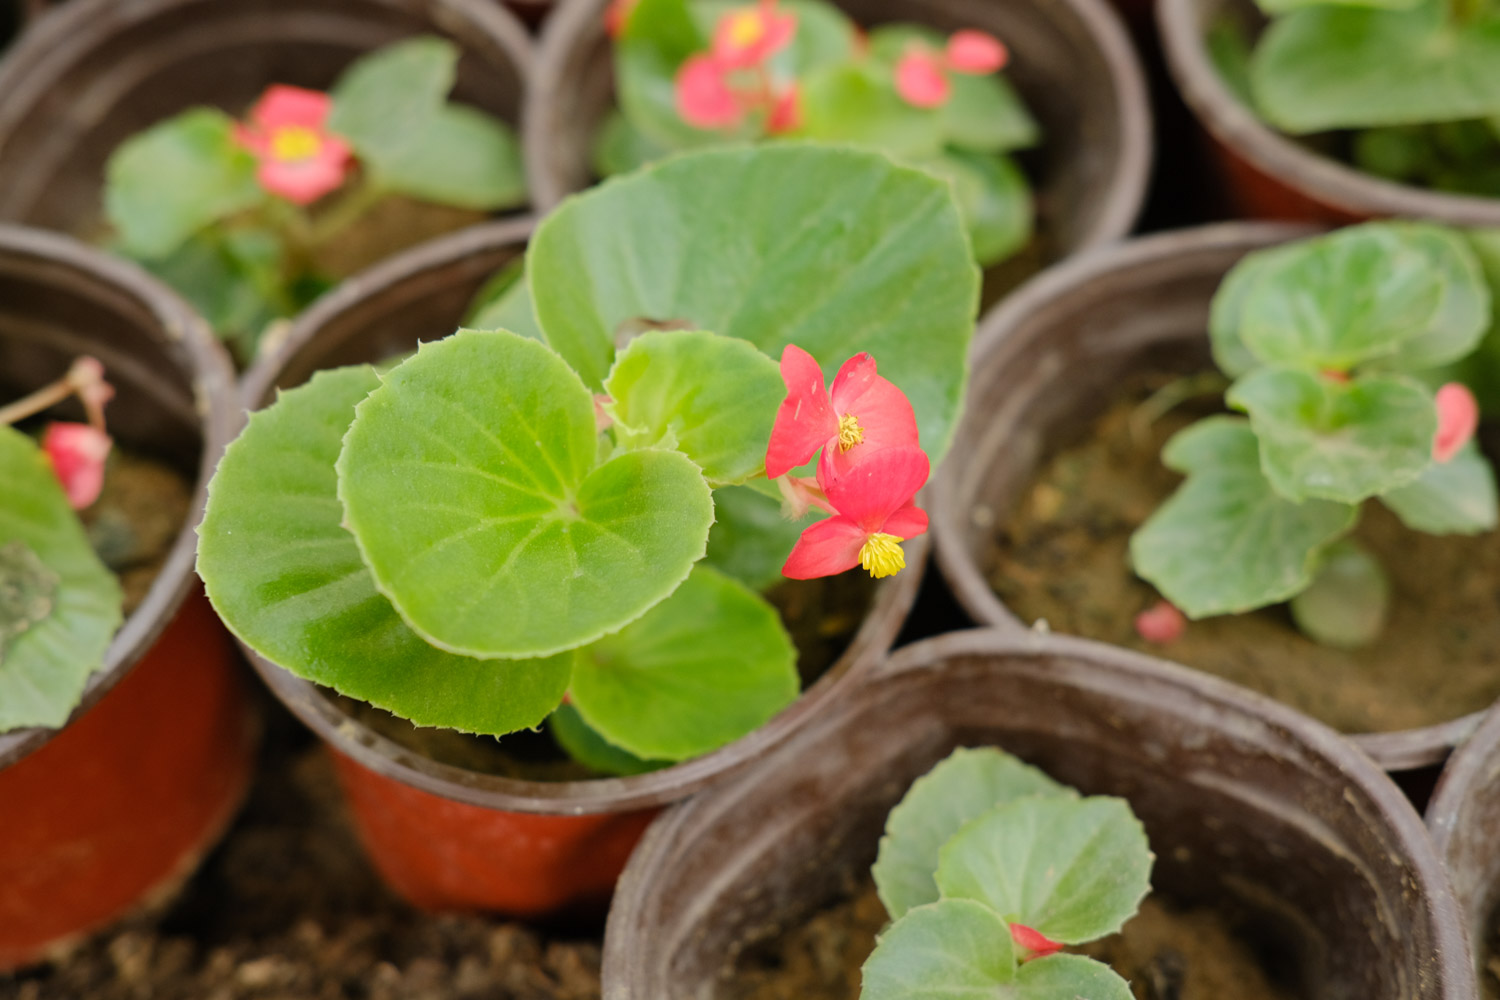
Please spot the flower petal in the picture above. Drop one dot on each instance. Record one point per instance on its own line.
(920, 80)
(828, 547)
(747, 36)
(884, 414)
(704, 99)
(786, 112)
(282, 106)
(908, 522)
(976, 52)
(875, 488)
(301, 181)
(805, 421)
(1458, 419)
(77, 453)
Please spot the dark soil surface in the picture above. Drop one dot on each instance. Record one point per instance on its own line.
(136, 519)
(1165, 954)
(1062, 556)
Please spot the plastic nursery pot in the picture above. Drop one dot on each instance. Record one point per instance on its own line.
(1268, 175)
(120, 804)
(1071, 60)
(1047, 364)
(446, 837)
(1245, 803)
(95, 72)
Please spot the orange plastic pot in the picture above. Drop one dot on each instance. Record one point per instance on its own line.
(444, 837)
(116, 808)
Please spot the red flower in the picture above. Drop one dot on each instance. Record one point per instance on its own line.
(746, 37)
(1161, 623)
(77, 453)
(864, 413)
(1458, 419)
(1033, 942)
(922, 74)
(704, 99)
(300, 160)
(875, 515)
(786, 111)
(975, 52)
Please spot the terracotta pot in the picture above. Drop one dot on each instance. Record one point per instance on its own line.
(1071, 60)
(1243, 801)
(95, 72)
(1047, 363)
(121, 803)
(1463, 817)
(450, 838)
(1269, 175)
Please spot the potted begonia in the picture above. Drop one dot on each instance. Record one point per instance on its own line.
(596, 610)
(1345, 519)
(125, 737)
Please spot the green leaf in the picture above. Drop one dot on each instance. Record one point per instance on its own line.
(504, 303)
(1343, 299)
(469, 481)
(953, 950)
(658, 36)
(1330, 440)
(166, 183)
(750, 539)
(995, 200)
(385, 101)
(1287, 6)
(59, 605)
(1463, 314)
(667, 26)
(1066, 977)
(621, 147)
(1456, 497)
(288, 579)
(234, 279)
(1345, 605)
(592, 750)
(1345, 67)
(1229, 52)
(1073, 869)
(1227, 310)
(458, 156)
(854, 104)
(963, 786)
(699, 670)
(1227, 542)
(712, 398)
(835, 250)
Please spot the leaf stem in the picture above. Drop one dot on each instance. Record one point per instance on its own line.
(346, 211)
(1172, 395)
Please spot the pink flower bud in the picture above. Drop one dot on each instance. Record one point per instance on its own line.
(976, 52)
(1033, 942)
(920, 80)
(1161, 623)
(1458, 419)
(704, 99)
(86, 377)
(786, 112)
(77, 453)
(602, 420)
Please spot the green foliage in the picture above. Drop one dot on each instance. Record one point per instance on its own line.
(59, 605)
(751, 539)
(587, 747)
(1345, 605)
(1456, 497)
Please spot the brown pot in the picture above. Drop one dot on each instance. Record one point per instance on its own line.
(95, 72)
(1268, 175)
(1071, 60)
(122, 802)
(450, 838)
(1045, 364)
(1243, 801)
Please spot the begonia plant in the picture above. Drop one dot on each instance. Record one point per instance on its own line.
(239, 216)
(572, 519)
(1347, 353)
(695, 73)
(988, 868)
(59, 603)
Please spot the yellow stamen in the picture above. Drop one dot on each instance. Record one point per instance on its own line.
(295, 143)
(746, 27)
(882, 555)
(850, 433)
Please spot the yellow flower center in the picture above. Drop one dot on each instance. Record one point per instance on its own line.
(746, 27)
(882, 555)
(295, 142)
(850, 433)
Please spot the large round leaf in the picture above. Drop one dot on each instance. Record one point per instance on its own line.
(835, 250)
(469, 480)
(288, 579)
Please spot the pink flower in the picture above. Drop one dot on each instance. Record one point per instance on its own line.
(1161, 623)
(704, 99)
(975, 52)
(875, 515)
(300, 160)
(786, 111)
(747, 36)
(77, 453)
(864, 413)
(617, 14)
(1033, 942)
(1458, 419)
(920, 79)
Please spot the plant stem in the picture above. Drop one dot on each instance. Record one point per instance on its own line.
(1172, 395)
(27, 406)
(345, 212)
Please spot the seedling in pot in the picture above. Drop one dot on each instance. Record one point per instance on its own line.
(241, 217)
(59, 604)
(511, 527)
(988, 869)
(696, 73)
(1349, 354)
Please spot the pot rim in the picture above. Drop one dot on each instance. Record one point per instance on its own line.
(1399, 750)
(1278, 156)
(1108, 666)
(882, 622)
(1470, 767)
(571, 21)
(212, 380)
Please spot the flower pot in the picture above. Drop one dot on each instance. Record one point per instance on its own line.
(1268, 175)
(117, 806)
(96, 72)
(444, 836)
(1071, 61)
(1245, 804)
(1049, 362)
